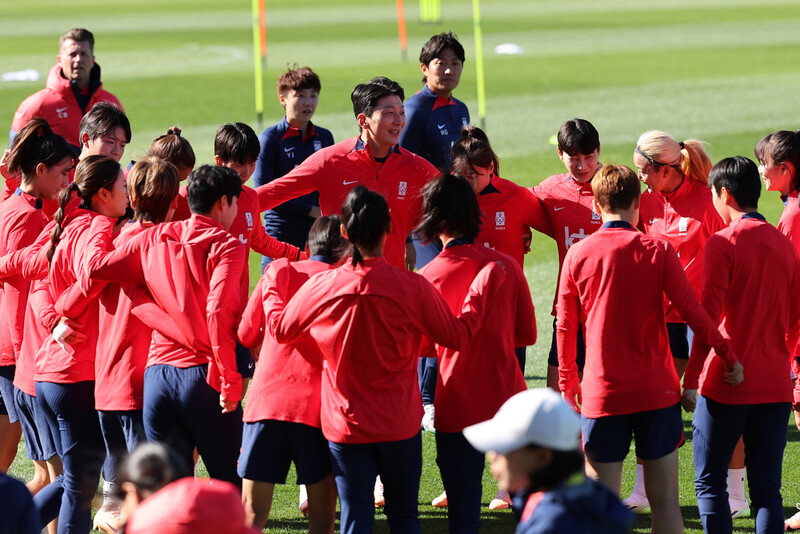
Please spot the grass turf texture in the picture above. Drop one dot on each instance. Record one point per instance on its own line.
(724, 71)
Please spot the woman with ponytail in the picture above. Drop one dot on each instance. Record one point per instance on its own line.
(368, 318)
(43, 159)
(677, 206)
(64, 371)
(778, 156)
(176, 149)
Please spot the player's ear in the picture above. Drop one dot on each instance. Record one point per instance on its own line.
(282, 99)
(85, 139)
(362, 120)
(343, 231)
(218, 160)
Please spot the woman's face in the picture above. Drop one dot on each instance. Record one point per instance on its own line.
(112, 202)
(49, 181)
(479, 177)
(777, 177)
(512, 469)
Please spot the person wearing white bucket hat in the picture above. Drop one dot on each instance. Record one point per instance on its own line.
(534, 450)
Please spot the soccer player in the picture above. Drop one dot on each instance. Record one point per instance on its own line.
(44, 160)
(73, 88)
(104, 131)
(282, 415)
(476, 380)
(677, 206)
(122, 349)
(286, 145)
(747, 264)
(533, 443)
(629, 385)
(568, 201)
(434, 117)
(64, 372)
(778, 156)
(176, 149)
(196, 300)
(368, 318)
(373, 159)
(236, 147)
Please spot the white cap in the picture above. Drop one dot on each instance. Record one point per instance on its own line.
(533, 417)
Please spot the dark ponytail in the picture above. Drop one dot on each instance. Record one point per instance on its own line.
(36, 143)
(91, 175)
(325, 239)
(471, 150)
(366, 219)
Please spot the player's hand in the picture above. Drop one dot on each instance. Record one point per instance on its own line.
(689, 399)
(574, 397)
(796, 417)
(74, 337)
(411, 256)
(735, 375)
(527, 236)
(227, 406)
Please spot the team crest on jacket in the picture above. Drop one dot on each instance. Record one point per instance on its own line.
(499, 219)
(402, 189)
(249, 218)
(683, 225)
(317, 144)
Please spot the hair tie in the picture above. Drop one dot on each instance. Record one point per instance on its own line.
(682, 145)
(73, 186)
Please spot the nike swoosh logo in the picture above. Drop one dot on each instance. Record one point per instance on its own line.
(59, 110)
(345, 182)
(288, 149)
(441, 126)
(559, 209)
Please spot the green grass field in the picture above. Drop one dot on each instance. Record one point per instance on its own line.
(725, 71)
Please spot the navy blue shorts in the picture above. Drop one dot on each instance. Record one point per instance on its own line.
(270, 446)
(39, 443)
(679, 340)
(245, 363)
(580, 358)
(657, 433)
(7, 392)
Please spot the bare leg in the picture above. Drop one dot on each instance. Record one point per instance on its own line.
(10, 433)
(661, 484)
(609, 473)
(257, 500)
(40, 479)
(322, 506)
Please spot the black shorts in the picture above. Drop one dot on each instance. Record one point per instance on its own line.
(679, 340)
(270, 446)
(580, 359)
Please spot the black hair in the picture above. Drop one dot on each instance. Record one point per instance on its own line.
(563, 465)
(36, 143)
(366, 218)
(91, 175)
(449, 205)
(365, 96)
(781, 147)
(436, 45)
(101, 119)
(472, 149)
(739, 175)
(236, 142)
(207, 184)
(578, 136)
(325, 238)
(150, 467)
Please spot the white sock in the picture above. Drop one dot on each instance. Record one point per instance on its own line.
(638, 484)
(303, 494)
(736, 485)
(108, 493)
